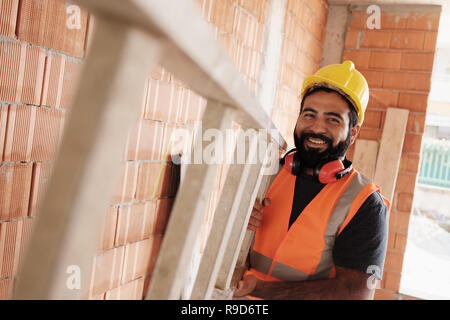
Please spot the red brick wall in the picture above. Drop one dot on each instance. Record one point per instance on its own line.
(142, 203)
(39, 65)
(304, 32)
(40, 60)
(397, 61)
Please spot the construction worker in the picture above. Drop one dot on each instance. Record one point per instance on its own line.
(321, 232)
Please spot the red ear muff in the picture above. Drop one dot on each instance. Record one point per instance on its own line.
(330, 171)
(324, 173)
(288, 162)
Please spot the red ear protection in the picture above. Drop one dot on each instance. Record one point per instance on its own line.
(324, 172)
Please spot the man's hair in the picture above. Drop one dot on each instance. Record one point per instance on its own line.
(353, 114)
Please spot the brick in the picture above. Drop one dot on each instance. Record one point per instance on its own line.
(423, 21)
(8, 17)
(404, 202)
(393, 262)
(319, 10)
(135, 222)
(27, 228)
(10, 238)
(407, 40)
(382, 98)
(417, 61)
(312, 25)
(430, 40)
(108, 268)
(41, 177)
(23, 71)
(394, 20)
(372, 119)
(412, 143)
(360, 58)
(155, 180)
(399, 221)
(4, 108)
(15, 184)
(150, 145)
(370, 134)
(400, 242)
(222, 15)
(140, 258)
(392, 281)
(351, 38)
(385, 60)
(126, 187)
(61, 79)
(391, 240)
(373, 78)
(375, 39)
(162, 213)
(48, 133)
(6, 288)
(415, 102)
(406, 182)
(410, 163)
(358, 20)
(132, 290)
(20, 132)
(109, 229)
(416, 123)
(44, 23)
(381, 294)
(407, 81)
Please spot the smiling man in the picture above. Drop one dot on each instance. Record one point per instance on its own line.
(321, 233)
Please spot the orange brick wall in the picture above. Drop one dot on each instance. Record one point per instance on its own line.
(397, 61)
(304, 32)
(40, 61)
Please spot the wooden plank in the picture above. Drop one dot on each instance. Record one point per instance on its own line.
(224, 218)
(194, 56)
(239, 228)
(365, 157)
(391, 150)
(88, 165)
(185, 218)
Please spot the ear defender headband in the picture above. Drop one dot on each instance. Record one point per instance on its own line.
(324, 172)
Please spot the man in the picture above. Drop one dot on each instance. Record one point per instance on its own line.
(321, 233)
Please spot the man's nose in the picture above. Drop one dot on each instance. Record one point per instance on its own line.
(318, 126)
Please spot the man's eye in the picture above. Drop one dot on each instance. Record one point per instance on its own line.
(334, 120)
(308, 115)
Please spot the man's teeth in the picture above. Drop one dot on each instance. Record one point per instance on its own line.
(316, 141)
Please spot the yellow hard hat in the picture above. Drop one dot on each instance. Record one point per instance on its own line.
(346, 79)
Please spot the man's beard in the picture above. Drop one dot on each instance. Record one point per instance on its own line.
(311, 157)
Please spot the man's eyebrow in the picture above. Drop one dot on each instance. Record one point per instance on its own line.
(309, 109)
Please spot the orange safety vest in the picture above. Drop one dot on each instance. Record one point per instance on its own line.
(304, 251)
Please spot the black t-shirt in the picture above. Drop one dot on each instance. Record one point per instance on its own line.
(363, 242)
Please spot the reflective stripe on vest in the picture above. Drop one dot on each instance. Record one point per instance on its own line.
(317, 262)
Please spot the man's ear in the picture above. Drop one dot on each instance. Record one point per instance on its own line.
(354, 133)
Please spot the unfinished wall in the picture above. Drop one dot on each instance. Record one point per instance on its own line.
(40, 59)
(304, 33)
(39, 64)
(397, 61)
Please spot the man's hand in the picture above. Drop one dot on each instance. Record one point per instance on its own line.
(256, 217)
(246, 286)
